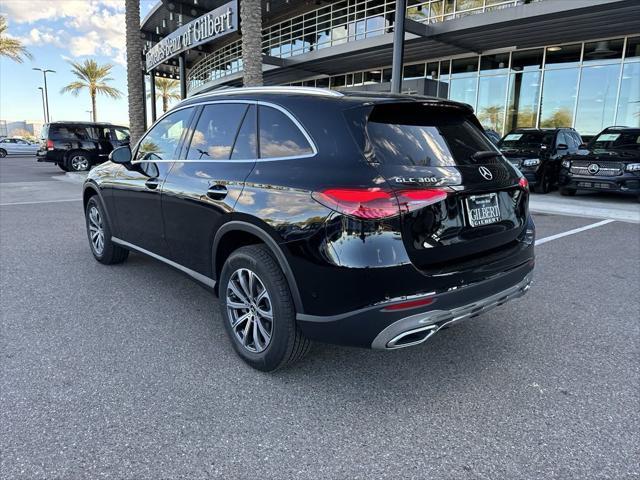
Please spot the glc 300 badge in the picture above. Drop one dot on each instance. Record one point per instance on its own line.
(416, 179)
(486, 173)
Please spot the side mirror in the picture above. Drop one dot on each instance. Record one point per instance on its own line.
(582, 146)
(562, 146)
(121, 155)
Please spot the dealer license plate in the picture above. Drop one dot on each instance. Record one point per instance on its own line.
(483, 209)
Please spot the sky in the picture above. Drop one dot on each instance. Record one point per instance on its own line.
(56, 31)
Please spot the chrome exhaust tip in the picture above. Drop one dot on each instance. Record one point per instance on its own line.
(412, 337)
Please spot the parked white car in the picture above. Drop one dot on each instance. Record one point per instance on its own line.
(17, 146)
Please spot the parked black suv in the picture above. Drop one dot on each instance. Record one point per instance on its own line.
(76, 146)
(609, 163)
(360, 219)
(538, 153)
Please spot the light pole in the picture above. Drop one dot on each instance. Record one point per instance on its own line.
(44, 108)
(46, 94)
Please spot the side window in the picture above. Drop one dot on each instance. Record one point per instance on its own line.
(163, 139)
(560, 139)
(121, 134)
(246, 146)
(216, 131)
(279, 136)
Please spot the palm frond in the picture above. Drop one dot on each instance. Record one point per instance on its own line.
(11, 47)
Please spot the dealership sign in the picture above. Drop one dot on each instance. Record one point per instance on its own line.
(210, 26)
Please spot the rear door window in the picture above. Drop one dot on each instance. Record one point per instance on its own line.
(280, 137)
(424, 136)
(246, 146)
(216, 131)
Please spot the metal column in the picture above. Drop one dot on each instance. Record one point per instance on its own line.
(143, 79)
(183, 76)
(152, 94)
(398, 46)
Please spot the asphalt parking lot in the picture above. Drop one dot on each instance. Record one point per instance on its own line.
(125, 371)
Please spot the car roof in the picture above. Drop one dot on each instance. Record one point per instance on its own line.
(101, 124)
(347, 98)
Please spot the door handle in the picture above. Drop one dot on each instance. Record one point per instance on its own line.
(217, 192)
(152, 183)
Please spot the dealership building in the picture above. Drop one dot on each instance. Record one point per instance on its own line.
(519, 63)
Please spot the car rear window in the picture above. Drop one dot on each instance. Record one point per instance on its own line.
(424, 136)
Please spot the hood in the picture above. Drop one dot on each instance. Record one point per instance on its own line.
(519, 153)
(625, 156)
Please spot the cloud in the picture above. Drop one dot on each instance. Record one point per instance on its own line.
(90, 27)
(44, 36)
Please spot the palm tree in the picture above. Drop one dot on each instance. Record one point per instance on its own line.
(10, 47)
(93, 77)
(251, 21)
(167, 89)
(135, 84)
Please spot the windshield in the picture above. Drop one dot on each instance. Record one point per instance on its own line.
(425, 136)
(526, 140)
(621, 140)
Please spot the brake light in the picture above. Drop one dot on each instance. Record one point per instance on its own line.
(375, 203)
(49, 144)
(523, 183)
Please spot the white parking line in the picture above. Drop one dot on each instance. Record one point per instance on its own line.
(41, 201)
(571, 232)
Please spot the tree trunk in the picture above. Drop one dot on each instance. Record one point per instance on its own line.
(94, 113)
(165, 103)
(251, 24)
(134, 70)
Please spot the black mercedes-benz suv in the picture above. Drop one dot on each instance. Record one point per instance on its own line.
(76, 146)
(360, 219)
(609, 163)
(538, 153)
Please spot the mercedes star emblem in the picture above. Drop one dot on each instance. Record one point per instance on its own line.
(593, 168)
(486, 173)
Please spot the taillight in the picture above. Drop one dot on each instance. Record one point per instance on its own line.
(49, 144)
(523, 183)
(375, 203)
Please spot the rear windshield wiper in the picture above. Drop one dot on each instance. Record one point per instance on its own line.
(484, 155)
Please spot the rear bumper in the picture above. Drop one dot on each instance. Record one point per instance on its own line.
(379, 327)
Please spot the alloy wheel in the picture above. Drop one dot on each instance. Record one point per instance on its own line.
(96, 230)
(249, 310)
(79, 163)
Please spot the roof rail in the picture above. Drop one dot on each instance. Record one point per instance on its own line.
(291, 90)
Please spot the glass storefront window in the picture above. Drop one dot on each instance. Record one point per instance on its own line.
(633, 48)
(558, 97)
(524, 92)
(413, 71)
(597, 98)
(563, 56)
(372, 76)
(629, 100)
(491, 102)
(464, 66)
(463, 90)
(493, 64)
(432, 70)
(525, 60)
(605, 51)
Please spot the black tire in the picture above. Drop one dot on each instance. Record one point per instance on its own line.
(110, 252)
(287, 345)
(78, 161)
(544, 184)
(567, 192)
(63, 167)
(3, 153)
